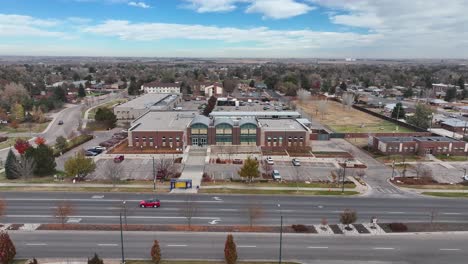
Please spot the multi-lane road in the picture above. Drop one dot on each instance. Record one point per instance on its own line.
(101, 208)
(422, 248)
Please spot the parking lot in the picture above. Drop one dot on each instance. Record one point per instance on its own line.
(308, 171)
(136, 169)
(442, 174)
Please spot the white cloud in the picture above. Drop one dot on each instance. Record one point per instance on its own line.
(276, 9)
(79, 20)
(19, 25)
(139, 4)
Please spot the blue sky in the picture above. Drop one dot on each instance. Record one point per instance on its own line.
(235, 28)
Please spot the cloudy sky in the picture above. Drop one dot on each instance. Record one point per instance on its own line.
(236, 28)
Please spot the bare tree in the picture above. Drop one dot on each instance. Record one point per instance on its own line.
(267, 168)
(63, 211)
(254, 211)
(189, 209)
(303, 95)
(112, 171)
(297, 177)
(24, 167)
(347, 99)
(164, 167)
(322, 107)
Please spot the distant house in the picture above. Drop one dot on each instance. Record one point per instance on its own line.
(454, 125)
(214, 89)
(437, 102)
(419, 145)
(159, 87)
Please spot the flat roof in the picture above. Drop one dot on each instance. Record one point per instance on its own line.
(280, 125)
(163, 121)
(258, 114)
(144, 101)
(416, 138)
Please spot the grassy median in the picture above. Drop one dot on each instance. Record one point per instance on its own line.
(447, 194)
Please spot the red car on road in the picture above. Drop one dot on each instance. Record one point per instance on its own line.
(150, 203)
(119, 158)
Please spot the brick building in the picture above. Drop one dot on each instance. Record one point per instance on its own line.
(176, 130)
(419, 145)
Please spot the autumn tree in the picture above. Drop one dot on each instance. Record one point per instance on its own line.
(21, 146)
(7, 248)
(348, 217)
(250, 169)
(17, 111)
(63, 211)
(79, 166)
(14, 93)
(230, 250)
(156, 252)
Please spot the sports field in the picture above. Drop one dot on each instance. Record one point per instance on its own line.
(348, 120)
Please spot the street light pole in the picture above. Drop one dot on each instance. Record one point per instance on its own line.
(344, 175)
(121, 239)
(281, 235)
(154, 178)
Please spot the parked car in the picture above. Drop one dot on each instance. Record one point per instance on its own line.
(150, 203)
(89, 153)
(237, 161)
(95, 150)
(269, 161)
(465, 178)
(60, 122)
(119, 158)
(296, 162)
(276, 175)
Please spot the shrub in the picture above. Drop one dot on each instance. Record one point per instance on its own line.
(7, 249)
(300, 228)
(74, 142)
(230, 250)
(156, 252)
(95, 260)
(398, 227)
(3, 139)
(178, 160)
(348, 217)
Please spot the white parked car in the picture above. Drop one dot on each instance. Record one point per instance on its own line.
(269, 161)
(296, 162)
(465, 178)
(276, 175)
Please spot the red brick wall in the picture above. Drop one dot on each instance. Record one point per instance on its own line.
(158, 139)
(366, 135)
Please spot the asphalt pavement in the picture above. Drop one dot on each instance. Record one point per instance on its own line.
(424, 248)
(102, 208)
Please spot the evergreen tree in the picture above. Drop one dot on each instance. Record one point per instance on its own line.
(59, 94)
(156, 252)
(343, 86)
(408, 93)
(106, 115)
(252, 83)
(81, 91)
(210, 106)
(44, 159)
(398, 111)
(422, 116)
(230, 250)
(450, 94)
(7, 248)
(95, 260)
(10, 166)
(60, 143)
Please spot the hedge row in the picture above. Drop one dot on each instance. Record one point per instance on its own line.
(73, 143)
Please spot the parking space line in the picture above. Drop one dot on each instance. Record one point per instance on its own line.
(246, 246)
(317, 247)
(383, 248)
(171, 245)
(449, 249)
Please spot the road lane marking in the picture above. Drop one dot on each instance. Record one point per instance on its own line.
(97, 196)
(36, 244)
(246, 246)
(449, 249)
(171, 245)
(317, 247)
(112, 216)
(383, 248)
(107, 245)
(451, 213)
(229, 210)
(395, 212)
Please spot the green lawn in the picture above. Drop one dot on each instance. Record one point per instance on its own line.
(452, 158)
(383, 126)
(109, 104)
(272, 192)
(284, 184)
(9, 142)
(24, 127)
(447, 194)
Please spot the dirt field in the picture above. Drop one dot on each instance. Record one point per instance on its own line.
(349, 120)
